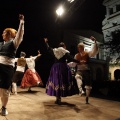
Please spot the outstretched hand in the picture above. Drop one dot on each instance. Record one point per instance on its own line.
(46, 40)
(38, 51)
(21, 17)
(93, 38)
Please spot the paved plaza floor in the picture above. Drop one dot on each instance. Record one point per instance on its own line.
(36, 105)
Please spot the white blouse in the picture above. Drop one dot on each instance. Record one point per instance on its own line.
(60, 52)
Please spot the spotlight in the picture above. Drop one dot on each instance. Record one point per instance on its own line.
(60, 11)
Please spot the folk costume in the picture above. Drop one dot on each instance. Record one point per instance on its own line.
(83, 74)
(18, 75)
(60, 82)
(31, 77)
(8, 48)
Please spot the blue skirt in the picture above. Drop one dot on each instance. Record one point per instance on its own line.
(60, 81)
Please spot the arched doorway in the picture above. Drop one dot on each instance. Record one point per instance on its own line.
(117, 74)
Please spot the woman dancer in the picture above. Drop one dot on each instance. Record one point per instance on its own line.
(31, 78)
(8, 48)
(60, 82)
(20, 69)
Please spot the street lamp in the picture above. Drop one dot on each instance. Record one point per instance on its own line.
(60, 11)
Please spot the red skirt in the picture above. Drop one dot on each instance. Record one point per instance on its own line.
(30, 79)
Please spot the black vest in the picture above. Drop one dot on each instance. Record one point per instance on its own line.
(7, 49)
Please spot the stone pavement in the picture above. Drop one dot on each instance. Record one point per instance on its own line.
(39, 106)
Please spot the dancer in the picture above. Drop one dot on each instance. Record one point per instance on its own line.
(18, 75)
(8, 49)
(60, 82)
(83, 69)
(31, 78)
(72, 66)
(77, 77)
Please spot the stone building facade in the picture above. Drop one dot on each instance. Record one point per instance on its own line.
(111, 33)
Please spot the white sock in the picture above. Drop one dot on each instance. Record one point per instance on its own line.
(14, 87)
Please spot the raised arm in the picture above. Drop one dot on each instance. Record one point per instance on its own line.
(49, 49)
(94, 51)
(46, 42)
(19, 36)
(34, 57)
(39, 53)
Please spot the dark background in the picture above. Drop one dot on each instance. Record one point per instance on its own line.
(41, 21)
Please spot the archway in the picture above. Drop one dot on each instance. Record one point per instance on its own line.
(117, 74)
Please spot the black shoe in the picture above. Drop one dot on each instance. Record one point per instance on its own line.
(87, 100)
(40, 84)
(29, 90)
(58, 101)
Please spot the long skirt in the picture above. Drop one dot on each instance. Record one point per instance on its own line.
(60, 81)
(30, 79)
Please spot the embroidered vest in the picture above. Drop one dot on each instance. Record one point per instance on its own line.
(21, 62)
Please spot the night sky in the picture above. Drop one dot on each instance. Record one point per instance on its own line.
(40, 21)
